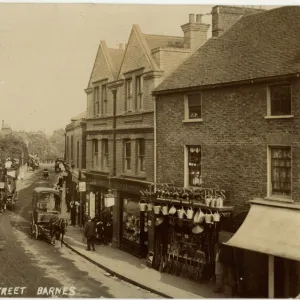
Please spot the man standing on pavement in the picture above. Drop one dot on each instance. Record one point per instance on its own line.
(90, 233)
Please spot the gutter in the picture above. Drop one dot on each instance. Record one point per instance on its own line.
(227, 84)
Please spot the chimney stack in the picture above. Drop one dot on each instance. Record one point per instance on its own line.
(195, 32)
(192, 18)
(223, 17)
(121, 46)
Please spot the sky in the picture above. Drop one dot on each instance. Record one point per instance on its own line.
(47, 53)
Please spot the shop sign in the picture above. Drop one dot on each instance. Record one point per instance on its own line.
(1, 185)
(98, 182)
(82, 186)
(131, 189)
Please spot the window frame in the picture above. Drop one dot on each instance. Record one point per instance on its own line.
(270, 193)
(187, 167)
(128, 95)
(139, 87)
(104, 154)
(141, 158)
(77, 154)
(187, 108)
(269, 101)
(96, 101)
(104, 99)
(127, 158)
(95, 154)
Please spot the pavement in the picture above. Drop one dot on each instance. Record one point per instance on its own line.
(134, 270)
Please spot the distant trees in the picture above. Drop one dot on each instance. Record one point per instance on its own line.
(12, 146)
(23, 143)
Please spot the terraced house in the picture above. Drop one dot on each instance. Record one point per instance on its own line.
(236, 101)
(120, 126)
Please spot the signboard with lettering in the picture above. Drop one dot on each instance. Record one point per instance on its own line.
(82, 186)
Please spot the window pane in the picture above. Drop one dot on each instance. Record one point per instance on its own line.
(281, 170)
(194, 100)
(142, 147)
(280, 99)
(194, 165)
(194, 106)
(128, 149)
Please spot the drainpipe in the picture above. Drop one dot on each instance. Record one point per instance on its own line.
(154, 143)
(114, 173)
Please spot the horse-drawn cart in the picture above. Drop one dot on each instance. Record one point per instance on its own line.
(46, 220)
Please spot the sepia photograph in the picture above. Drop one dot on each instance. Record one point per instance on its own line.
(149, 150)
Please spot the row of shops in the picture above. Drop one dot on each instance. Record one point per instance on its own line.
(180, 232)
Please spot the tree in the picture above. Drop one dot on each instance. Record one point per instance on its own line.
(57, 140)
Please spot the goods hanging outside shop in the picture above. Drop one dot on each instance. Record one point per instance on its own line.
(186, 229)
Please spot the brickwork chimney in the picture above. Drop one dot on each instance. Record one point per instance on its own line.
(223, 17)
(195, 32)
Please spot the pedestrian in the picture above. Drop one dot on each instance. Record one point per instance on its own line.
(68, 199)
(90, 234)
(73, 206)
(57, 202)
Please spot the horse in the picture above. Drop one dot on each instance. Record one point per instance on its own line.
(58, 228)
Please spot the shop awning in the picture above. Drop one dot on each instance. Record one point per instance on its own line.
(272, 229)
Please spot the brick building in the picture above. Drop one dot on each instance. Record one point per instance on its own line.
(235, 100)
(120, 129)
(75, 153)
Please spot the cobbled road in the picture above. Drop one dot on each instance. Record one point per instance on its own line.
(34, 268)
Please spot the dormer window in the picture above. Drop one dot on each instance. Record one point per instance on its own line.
(96, 101)
(104, 100)
(139, 92)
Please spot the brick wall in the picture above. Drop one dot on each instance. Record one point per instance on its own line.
(234, 136)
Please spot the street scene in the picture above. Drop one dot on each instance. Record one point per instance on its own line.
(149, 159)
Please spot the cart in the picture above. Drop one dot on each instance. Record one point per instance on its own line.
(45, 212)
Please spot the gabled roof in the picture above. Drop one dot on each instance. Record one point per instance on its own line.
(111, 57)
(162, 41)
(261, 45)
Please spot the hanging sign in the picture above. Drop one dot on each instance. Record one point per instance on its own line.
(82, 186)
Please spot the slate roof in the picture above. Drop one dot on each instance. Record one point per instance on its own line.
(162, 41)
(261, 45)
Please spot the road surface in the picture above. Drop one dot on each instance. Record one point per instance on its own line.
(34, 268)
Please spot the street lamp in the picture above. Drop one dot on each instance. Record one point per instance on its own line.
(109, 198)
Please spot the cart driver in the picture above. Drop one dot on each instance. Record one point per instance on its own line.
(51, 202)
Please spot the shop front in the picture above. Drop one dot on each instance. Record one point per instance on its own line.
(185, 232)
(271, 230)
(100, 206)
(131, 219)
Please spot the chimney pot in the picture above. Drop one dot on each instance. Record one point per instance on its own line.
(199, 18)
(192, 18)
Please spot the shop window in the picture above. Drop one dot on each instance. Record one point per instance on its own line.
(280, 174)
(104, 100)
(192, 107)
(279, 100)
(95, 152)
(127, 155)
(131, 221)
(193, 159)
(96, 101)
(128, 94)
(141, 155)
(105, 154)
(139, 92)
